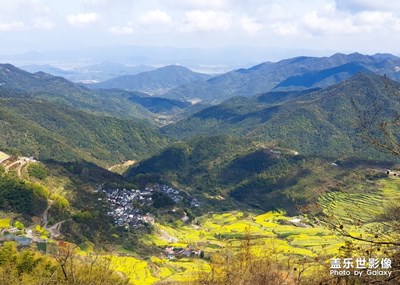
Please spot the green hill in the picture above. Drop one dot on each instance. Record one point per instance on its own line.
(213, 166)
(231, 173)
(52, 131)
(322, 123)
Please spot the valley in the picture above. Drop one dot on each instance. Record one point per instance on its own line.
(169, 176)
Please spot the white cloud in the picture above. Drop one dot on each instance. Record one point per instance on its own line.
(273, 12)
(4, 27)
(207, 20)
(374, 18)
(317, 23)
(43, 24)
(82, 19)
(250, 25)
(122, 30)
(155, 17)
(284, 29)
(201, 4)
(332, 21)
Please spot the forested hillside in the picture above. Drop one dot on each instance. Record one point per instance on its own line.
(321, 123)
(50, 131)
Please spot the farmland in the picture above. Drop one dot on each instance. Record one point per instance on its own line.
(272, 233)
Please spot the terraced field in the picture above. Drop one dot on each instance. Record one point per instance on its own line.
(363, 205)
(270, 232)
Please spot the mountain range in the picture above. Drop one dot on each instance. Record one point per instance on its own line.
(289, 74)
(299, 113)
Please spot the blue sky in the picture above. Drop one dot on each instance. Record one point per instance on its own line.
(365, 26)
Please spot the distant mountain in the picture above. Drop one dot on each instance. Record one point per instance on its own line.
(108, 70)
(90, 73)
(118, 103)
(154, 82)
(289, 74)
(47, 68)
(323, 77)
(321, 123)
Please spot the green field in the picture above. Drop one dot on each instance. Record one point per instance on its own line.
(363, 205)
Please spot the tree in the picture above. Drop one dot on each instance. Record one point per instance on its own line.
(64, 267)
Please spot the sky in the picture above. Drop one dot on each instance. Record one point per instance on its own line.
(315, 26)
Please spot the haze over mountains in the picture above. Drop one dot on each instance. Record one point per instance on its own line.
(89, 73)
(178, 82)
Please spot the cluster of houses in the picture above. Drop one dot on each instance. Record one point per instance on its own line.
(173, 253)
(177, 195)
(174, 194)
(123, 210)
(126, 204)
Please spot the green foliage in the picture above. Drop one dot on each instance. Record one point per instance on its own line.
(161, 200)
(2, 170)
(60, 202)
(38, 170)
(19, 225)
(82, 217)
(39, 190)
(51, 131)
(22, 197)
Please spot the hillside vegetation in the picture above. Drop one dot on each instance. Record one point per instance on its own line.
(320, 123)
(51, 131)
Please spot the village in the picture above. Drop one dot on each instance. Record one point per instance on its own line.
(126, 204)
(172, 253)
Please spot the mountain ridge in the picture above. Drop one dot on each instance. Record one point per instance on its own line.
(154, 82)
(267, 76)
